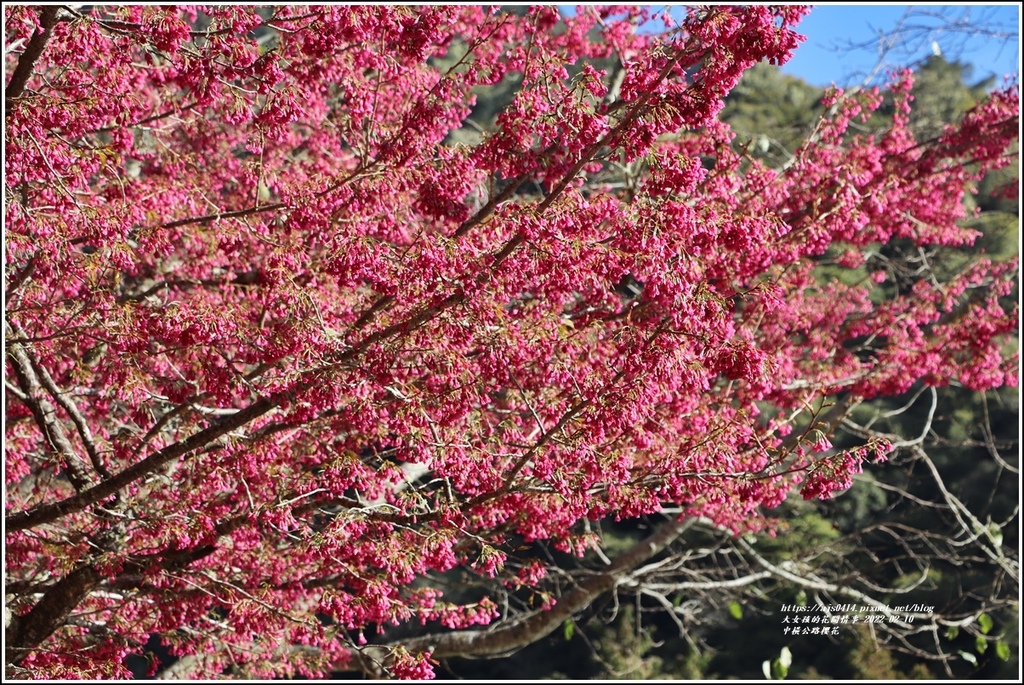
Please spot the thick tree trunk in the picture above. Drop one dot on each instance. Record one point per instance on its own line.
(26, 632)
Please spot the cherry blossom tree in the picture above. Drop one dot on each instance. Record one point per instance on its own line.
(280, 354)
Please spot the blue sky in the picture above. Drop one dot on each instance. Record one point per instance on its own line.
(830, 54)
(831, 30)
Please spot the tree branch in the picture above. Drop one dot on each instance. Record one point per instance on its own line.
(26, 632)
(51, 512)
(72, 411)
(45, 415)
(33, 51)
(535, 626)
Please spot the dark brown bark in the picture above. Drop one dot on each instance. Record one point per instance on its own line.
(33, 51)
(28, 631)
